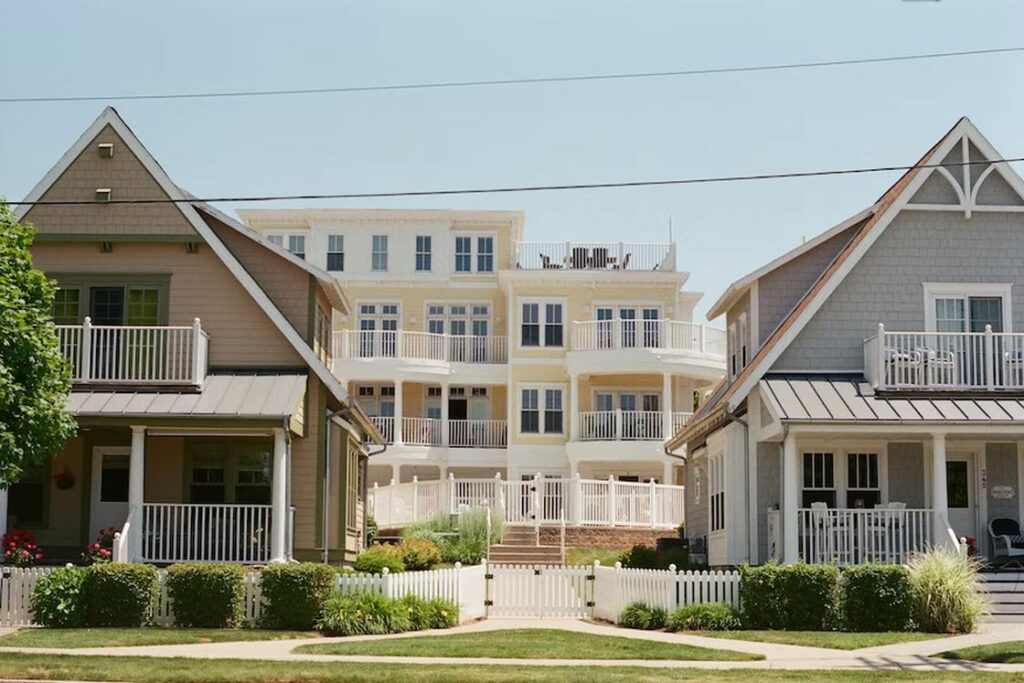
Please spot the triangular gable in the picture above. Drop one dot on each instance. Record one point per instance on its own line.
(110, 117)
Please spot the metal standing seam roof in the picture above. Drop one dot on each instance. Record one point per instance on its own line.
(254, 396)
(850, 398)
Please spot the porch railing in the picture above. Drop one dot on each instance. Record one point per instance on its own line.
(408, 345)
(421, 431)
(595, 256)
(856, 536)
(627, 425)
(477, 433)
(670, 335)
(131, 354)
(945, 360)
(179, 532)
(534, 502)
(386, 427)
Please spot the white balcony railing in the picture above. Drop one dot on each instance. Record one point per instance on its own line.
(671, 335)
(406, 345)
(386, 427)
(535, 501)
(858, 536)
(421, 431)
(679, 421)
(945, 360)
(595, 256)
(478, 433)
(180, 532)
(621, 425)
(113, 354)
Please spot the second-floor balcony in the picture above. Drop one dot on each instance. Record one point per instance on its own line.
(670, 335)
(945, 361)
(420, 346)
(135, 355)
(429, 431)
(627, 425)
(612, 256)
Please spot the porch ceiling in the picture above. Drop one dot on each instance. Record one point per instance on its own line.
(850, 399)
(223, 395)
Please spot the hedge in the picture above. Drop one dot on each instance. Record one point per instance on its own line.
(294, 593)
(207, 595)
(878, 598)
(642, 616)
(714, 616)
(798, 597)
(120, 594)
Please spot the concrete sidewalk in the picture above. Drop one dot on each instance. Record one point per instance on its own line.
(915, 656)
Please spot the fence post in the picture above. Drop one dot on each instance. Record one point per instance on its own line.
(617, 591)
(989, 366)
(385, 582)
(673, 601)
(611, 500)
(197, 357)
(415, 497)
(457, 591)
(501, 495)
(451, 494)
(654, 495)
(536, 504)
(85, 372)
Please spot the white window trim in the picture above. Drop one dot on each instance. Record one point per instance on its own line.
(376, 316)
(542, 320)
(732, 352)
(474, 252)
(963, 290)
(387, 253)
(285, 234)
(640, 392)
(328, 252)
(468, 303)
(743, 341)
(416, 253)
(840, 474)
(716, 486)
(541, 408)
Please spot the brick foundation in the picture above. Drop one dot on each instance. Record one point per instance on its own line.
(604, 537)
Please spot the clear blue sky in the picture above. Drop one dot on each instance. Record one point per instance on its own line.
(837, 117)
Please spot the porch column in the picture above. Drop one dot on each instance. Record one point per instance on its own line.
(574, 408)
(444, 413)
(136, 491)
(940, 504)
(279, 499)
(399, 412)
(666, 406)
(396, 471)
(667, 477)
(790, 540)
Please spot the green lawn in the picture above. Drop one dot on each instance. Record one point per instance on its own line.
(829, 639)
(528, 643)
(180, 670)
(607, 556)
(111, 637)
(1010, 652)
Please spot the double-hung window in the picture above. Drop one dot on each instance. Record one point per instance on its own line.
(541, 324)
(423, 254)
(295, 243)
(463, 254)
(473, 250)
(862, 487)
(716, 489)
(819, 479)
(379, 254)
(336, 253)
(485, 254)
(541, 410)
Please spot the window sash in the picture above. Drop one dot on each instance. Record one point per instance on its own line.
(485, 254)
(336, 252)
(379, 255)
(463, 254)
(423, 253)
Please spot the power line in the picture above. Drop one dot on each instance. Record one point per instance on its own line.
(514, 81)
(515, 189)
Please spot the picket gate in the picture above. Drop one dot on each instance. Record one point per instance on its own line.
(522, 590)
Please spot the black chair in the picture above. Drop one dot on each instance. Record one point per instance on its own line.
(1005, 532)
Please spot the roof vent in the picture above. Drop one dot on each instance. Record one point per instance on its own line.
(102, 194)
(106, 150)
(191, 247)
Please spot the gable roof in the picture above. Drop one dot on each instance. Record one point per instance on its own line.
(883, 212)
(186, 205)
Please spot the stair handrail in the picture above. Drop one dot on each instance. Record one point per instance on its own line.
(488, 533)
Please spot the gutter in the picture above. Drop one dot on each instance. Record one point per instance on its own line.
(731, 417)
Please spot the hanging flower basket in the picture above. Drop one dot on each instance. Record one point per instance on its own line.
(64, 479)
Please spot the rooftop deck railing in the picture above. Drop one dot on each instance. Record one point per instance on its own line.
(595, 256)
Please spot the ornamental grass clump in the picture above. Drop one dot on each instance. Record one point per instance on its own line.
(715, 616)
(642, 616)
(436, 613)
(363, 614)
(946, 591)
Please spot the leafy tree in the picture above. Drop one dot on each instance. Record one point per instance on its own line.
(35, 378)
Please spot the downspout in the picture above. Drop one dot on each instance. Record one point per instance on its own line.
(731, 417)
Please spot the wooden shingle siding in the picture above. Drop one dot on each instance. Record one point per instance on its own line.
(305, 480)
(127, 179)
(241, 335)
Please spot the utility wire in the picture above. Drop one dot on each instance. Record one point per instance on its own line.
(514, 189)
(514, 81)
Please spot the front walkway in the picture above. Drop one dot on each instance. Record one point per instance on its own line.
(907, 656)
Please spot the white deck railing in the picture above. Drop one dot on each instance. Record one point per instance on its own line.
(621, 425)
(421, 431)
(536, 501)
(477, 433)
(679, 421)
(129, 354)
(945, 360)
(665, 335)
(180, 532)
(386, 427)
(407, 345)
(595, 256)
(857, 536)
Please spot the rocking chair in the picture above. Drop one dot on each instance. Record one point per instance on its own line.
(1007, 540)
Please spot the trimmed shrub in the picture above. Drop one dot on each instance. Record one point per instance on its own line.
(877, 598)
(374, 559)
(465, 550)
(420, 553)
(207, 595)
(58, 598)
(798, 597)
(360, 614)
(640, 557)
(120, 594)
(430, 614)
(945, 590)
(715, 616)
(294, 594)
(641, 616)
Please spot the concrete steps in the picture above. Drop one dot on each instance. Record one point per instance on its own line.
(519, 546)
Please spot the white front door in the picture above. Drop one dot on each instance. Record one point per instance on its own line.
(109, 487)
(960, 494)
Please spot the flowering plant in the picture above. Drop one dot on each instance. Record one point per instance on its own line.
(20, 548)
(64, 479)
(101, 550)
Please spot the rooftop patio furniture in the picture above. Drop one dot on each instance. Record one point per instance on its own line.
(941, 365)
(1007, 540)
(906, 366)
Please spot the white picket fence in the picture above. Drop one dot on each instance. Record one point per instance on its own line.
(540, 591)
(616, 587)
